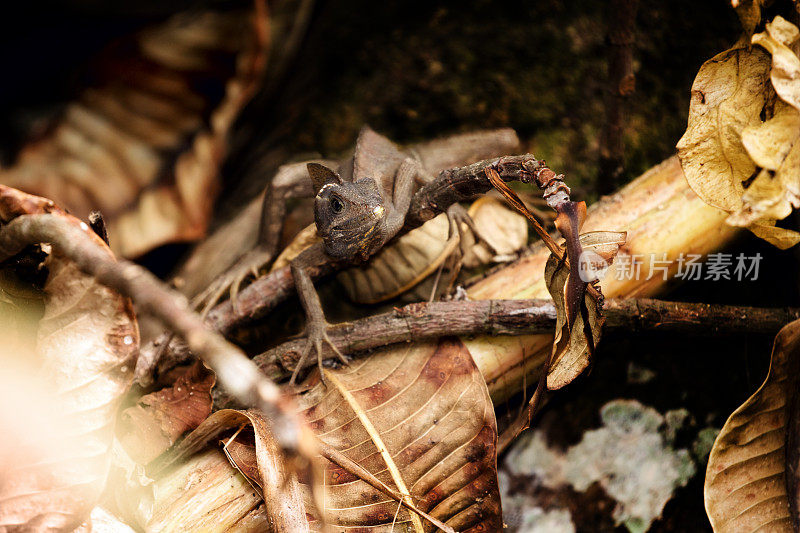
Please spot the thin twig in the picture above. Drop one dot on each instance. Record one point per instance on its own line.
(523, 317)
(239, 376)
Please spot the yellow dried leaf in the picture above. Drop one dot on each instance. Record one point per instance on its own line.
(728, 95)
(781, 237)
(774, 145)
(753, 461)
(769, 143)
(779, 39)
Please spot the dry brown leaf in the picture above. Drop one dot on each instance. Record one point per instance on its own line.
(505, 229)
(145, 141)
(751, 480)
(419, 417)
(728, 95)
(775, 145)
(571, 349)
(158, 419)
(55, 450)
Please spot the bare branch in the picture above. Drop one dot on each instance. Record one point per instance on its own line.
(523, 317)
(238, 375)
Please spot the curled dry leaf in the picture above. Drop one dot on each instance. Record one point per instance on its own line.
(58, 431)
(774, 146)
(418, 417)
(158, 419)
(203, 507)
(781, 39)
(414, 256)
(144, 142)
(752, 476)
(574, 343)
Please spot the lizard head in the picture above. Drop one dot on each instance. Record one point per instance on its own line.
(350, 216)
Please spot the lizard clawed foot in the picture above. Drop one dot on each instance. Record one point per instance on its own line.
(458, 215)
(231, 281)
(317, 335)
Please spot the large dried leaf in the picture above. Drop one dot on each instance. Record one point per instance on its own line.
(54, 465)
(728, 95)
(419, 417)
(571, 344)
(751, 481)
(145, 141)
(407, 261)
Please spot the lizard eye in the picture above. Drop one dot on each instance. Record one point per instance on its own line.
(336, 204)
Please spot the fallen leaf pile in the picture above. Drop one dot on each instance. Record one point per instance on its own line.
(740, 151)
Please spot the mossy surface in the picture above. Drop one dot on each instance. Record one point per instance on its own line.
(417, 70)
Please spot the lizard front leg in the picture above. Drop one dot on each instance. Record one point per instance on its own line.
(291, 181)
(316, 325)
(408, 174)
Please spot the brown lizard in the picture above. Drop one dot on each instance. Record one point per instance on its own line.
(358, 208)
